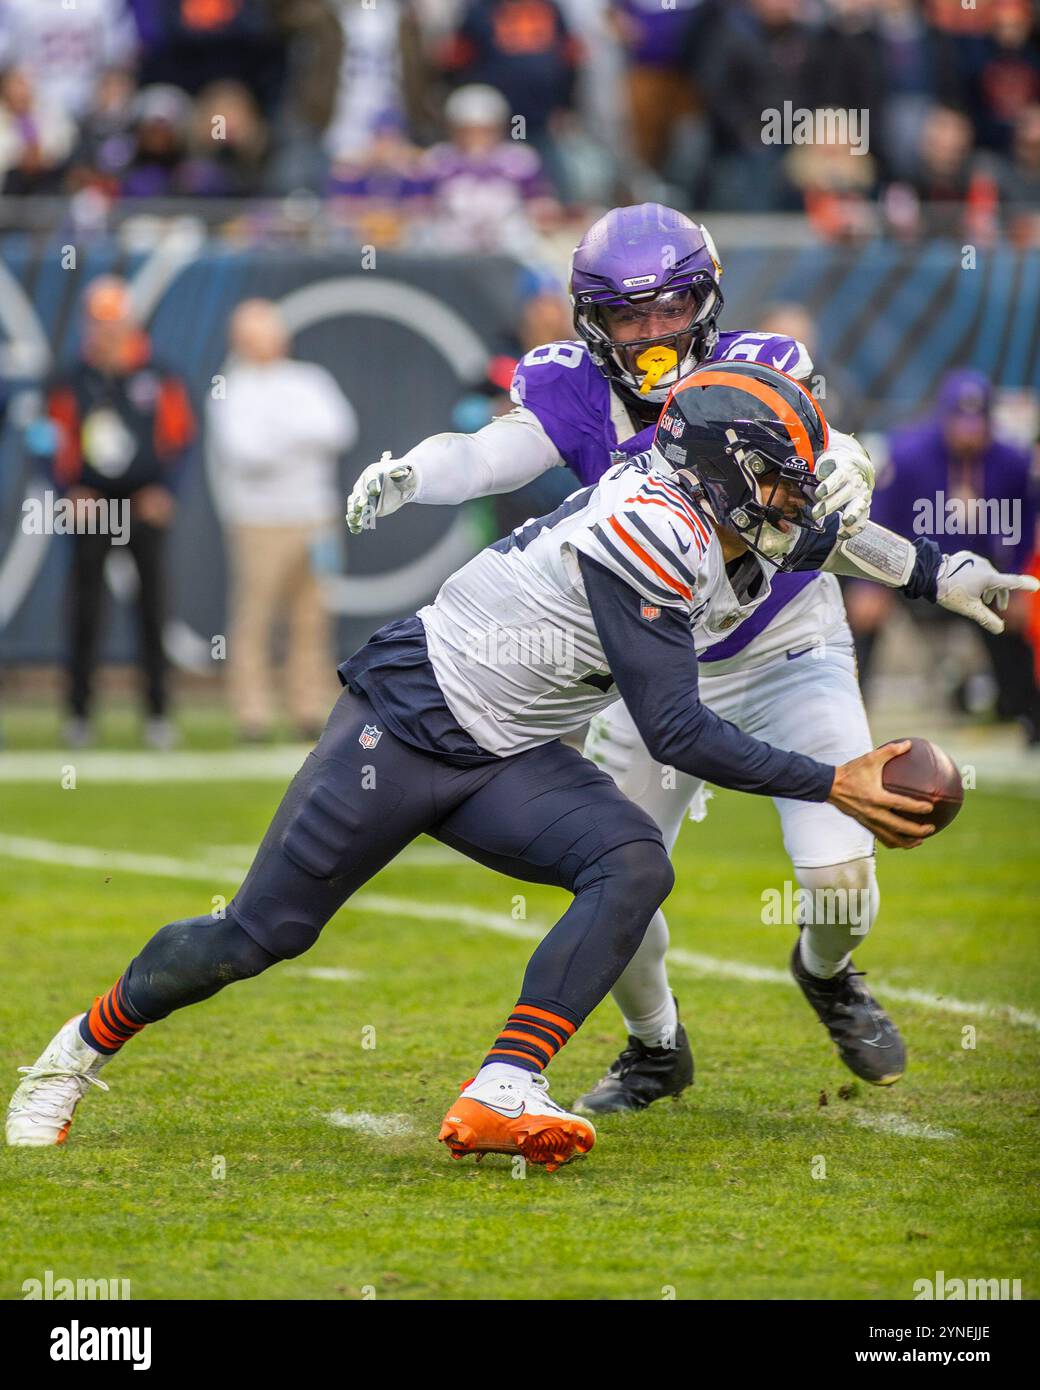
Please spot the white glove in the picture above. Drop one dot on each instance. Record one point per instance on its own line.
(846, 485)
(966, 584)
(380, 490)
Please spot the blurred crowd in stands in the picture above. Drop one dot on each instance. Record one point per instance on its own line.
(481, 120)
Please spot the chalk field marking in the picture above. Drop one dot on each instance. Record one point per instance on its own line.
(711, 967)
(885, 1123)
(325, 972)
(1001, 771)
(938, 1003)
(364, 1122)
(95, 765)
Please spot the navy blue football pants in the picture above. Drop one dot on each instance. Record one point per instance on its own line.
(546, 815)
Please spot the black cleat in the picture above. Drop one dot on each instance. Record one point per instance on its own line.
(639, 1076)
(867, 1040)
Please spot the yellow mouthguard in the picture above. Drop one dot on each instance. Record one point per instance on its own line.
(655, 361)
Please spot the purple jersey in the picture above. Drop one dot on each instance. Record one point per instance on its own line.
(511, 167)
(655, 33)
(563, 387)
(568, 393)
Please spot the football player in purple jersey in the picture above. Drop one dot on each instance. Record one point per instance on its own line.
(645, 286)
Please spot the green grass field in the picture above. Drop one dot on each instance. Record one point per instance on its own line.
(212, 1169)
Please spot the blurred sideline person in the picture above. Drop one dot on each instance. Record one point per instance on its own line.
(647, 297)
(124, 424)
(951, 476)
(277, 435)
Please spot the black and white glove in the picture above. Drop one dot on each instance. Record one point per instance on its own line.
(382, 489)
(967, 584)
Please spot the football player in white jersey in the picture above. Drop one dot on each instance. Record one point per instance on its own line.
(645, 285)
(451, 725)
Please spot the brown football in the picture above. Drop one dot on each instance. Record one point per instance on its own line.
(926, 772)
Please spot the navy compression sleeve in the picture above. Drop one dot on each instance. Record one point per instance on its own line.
(654, 665)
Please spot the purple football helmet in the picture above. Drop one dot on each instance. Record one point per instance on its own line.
(645, 290)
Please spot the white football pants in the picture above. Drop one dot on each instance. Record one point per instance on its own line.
(807, 702)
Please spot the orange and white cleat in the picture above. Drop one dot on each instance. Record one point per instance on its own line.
(497, 1116)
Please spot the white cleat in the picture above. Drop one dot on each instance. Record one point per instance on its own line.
(42, 1108)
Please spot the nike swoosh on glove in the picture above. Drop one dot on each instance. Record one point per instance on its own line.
(967, 584)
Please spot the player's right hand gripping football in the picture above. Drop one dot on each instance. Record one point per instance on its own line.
(381, 489)
(859, 792)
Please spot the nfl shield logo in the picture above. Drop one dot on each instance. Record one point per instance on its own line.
(650, 612)
(369, 736)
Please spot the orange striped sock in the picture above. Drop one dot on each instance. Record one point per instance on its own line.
(531, 1038)
(111, 1021)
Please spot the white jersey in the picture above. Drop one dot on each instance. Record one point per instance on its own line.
(511, 636)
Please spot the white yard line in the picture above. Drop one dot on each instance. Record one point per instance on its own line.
(364, 1122)
(241, 765)
(887, 1123)
(768, 975)
(1008, 770)
(711, 967)
(325, 972)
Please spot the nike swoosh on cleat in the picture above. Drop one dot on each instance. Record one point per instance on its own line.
(509, 1114)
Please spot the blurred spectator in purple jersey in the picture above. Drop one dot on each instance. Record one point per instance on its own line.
(484, 184)
(953, 481)
(36, 137)
(66, 47)
(524, 49)
(380, 189)
(653, 37)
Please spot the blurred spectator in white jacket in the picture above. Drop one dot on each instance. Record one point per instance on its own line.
(65, 47)
(278, 432)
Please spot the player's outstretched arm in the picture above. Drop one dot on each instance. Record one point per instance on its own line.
(963, 583)
(447, 469)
